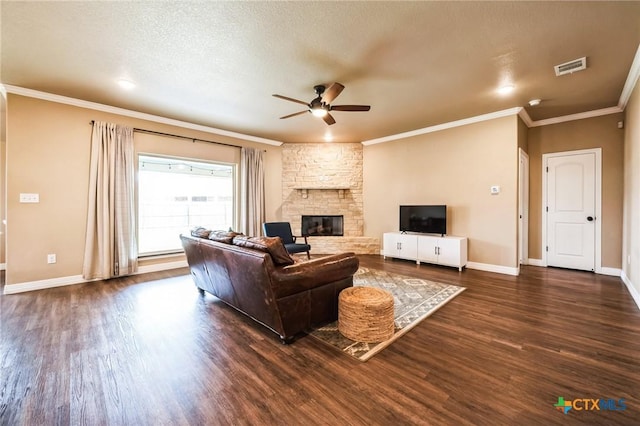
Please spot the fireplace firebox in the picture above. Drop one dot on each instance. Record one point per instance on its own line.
(331, 225)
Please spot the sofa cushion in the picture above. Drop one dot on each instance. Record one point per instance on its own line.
(223, 236)
(271, 245)
(200, 232)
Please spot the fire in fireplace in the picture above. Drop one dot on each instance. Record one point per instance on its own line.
(323, 225)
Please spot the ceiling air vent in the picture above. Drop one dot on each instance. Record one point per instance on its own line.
(571, 66)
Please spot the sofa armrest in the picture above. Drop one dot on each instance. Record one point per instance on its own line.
(303, 276)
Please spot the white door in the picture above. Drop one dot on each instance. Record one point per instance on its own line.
(571, 204)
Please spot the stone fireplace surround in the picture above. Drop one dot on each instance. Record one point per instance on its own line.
(326, 179)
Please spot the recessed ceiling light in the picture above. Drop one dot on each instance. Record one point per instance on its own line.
(126, 84)
(506, 89)
(534, 102)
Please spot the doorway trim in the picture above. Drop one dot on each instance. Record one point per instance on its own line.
(523, 207)
(598, 201)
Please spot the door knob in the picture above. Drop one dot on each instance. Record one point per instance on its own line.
(589, 218)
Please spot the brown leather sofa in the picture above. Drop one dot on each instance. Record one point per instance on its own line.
(262, 281)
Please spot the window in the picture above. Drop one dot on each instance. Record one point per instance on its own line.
(174, 195)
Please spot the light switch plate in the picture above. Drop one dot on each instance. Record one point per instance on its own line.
(29, 198)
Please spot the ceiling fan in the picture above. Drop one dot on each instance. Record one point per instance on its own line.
(321, 105)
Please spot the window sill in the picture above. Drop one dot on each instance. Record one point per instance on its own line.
(160, 255)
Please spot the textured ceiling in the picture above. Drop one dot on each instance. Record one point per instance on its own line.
(416, 63)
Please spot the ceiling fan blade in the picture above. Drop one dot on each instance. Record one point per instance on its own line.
(329, 119)
(350, 107)
(294, 114)
(291, 99)
(332, 92)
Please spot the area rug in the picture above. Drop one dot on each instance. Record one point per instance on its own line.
(414, 300)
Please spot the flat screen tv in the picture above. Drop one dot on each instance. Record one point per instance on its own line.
(424, 219)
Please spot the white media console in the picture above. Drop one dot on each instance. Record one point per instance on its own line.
(447, 250)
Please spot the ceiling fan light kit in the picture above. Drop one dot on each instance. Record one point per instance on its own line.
(320, 106)
(319, 112)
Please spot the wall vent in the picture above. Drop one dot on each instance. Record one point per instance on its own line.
(571, 66)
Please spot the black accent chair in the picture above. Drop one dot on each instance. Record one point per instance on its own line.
(283, 230)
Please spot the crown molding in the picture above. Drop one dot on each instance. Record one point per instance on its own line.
(632, 79)
(6, 88)
(524, 115)
(444, 126)
(520, 111)
(579, 116)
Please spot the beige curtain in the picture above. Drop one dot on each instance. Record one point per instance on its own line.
(111, 249)
(252, 206)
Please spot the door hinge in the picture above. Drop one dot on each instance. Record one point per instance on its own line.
(547, 208)
(547, 248)
(547, 169)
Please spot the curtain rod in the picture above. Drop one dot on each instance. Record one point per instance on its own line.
(153, 132)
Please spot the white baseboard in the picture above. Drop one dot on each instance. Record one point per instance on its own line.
(42, 284)
(78, 279)
(3, 266)
(482, 267)
(614, 272)
(632, 289)
(508, 270)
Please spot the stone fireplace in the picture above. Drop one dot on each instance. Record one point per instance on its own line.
(322, 179)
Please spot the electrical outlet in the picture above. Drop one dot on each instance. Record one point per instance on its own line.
(51, 258)
(29, 198)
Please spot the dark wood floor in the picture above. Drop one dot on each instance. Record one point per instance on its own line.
(148, 350)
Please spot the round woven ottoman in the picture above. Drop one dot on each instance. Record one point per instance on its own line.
(365, 314)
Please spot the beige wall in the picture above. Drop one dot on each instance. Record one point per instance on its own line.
(48, 148)
(599, 132)
(456, 167)
(631, 227)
